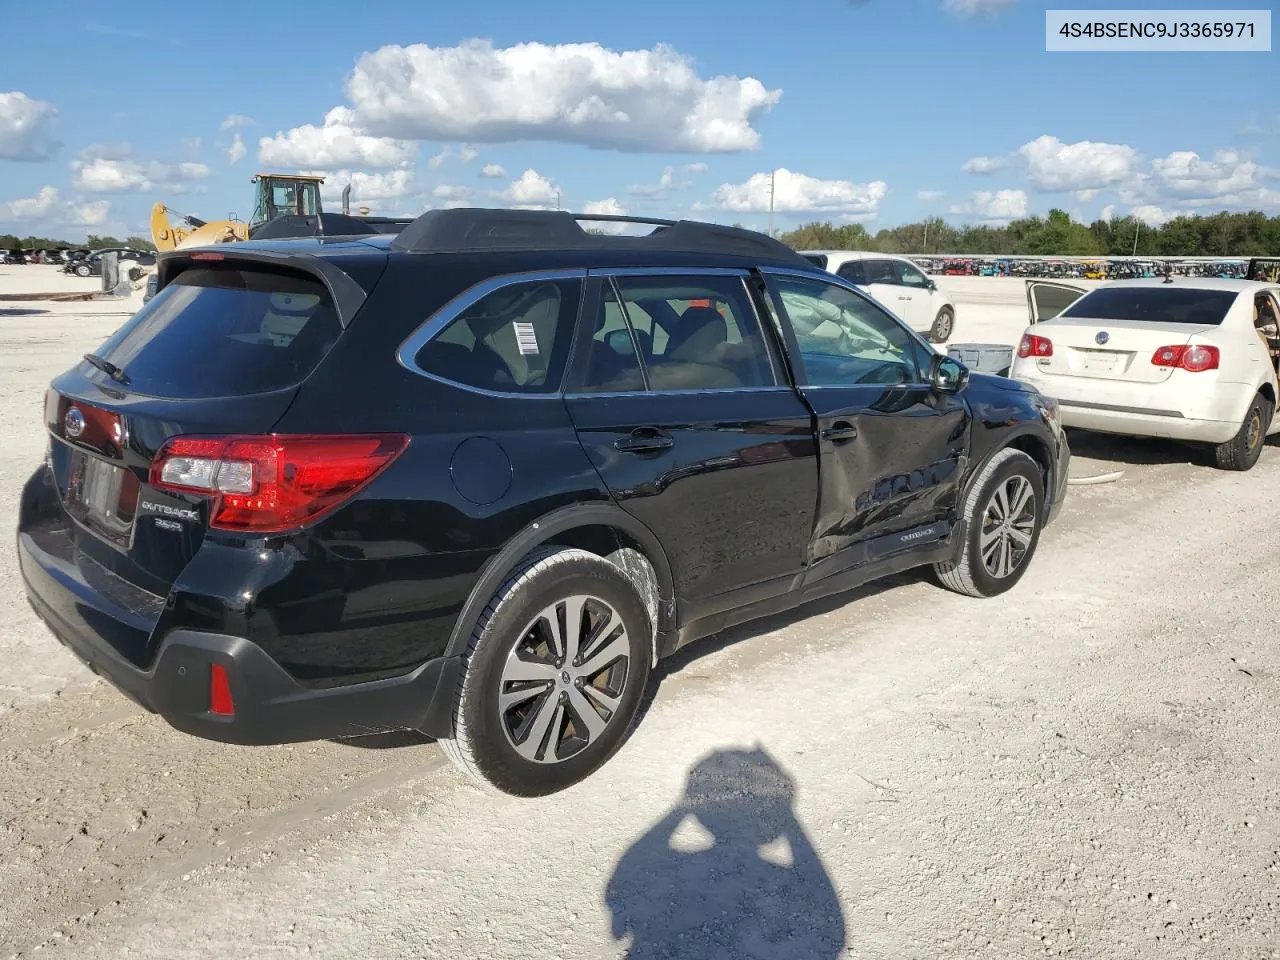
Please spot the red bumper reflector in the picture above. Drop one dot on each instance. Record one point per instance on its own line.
(220, 701)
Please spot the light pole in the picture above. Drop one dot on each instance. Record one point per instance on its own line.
(926, 235)
(557, 199)
(1137, 228)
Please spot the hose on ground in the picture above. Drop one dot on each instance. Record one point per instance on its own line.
(1091, 481)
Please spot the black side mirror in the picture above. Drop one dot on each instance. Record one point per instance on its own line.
(947, 374)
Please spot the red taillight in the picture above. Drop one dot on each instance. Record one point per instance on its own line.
(273, 483)
(1033, 346)
(1193, 357)
(208, 256)
(220, 701)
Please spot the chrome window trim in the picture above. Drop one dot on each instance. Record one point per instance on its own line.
(668, 272)
(712, 391)
(408, 350)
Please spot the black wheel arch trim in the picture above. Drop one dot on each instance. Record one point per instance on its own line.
(544, 530)
(1006, 441)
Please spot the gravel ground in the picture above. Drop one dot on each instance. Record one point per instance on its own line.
(1088, 766)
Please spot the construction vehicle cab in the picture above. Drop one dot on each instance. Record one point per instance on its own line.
(281, 195)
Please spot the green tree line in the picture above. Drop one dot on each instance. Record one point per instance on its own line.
(1224, 234)
(10, 241)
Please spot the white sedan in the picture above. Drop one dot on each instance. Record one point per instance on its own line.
(1187, 359)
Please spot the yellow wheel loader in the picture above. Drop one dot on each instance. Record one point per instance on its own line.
(275, 195)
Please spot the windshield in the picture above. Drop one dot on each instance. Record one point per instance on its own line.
(226, 331)
(1154, 304)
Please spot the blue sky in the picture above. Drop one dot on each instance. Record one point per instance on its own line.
(880, 111)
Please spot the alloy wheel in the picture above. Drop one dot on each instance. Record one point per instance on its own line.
(563, 681)
(1008, 526)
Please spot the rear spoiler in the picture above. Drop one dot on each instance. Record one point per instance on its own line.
(348, 295)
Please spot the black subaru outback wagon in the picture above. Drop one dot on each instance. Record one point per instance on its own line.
(477, 478)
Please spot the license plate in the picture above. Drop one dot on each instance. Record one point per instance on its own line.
(102, 496)
(1099, 362)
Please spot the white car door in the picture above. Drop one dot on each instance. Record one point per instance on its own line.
(1046, 299)
(884, 282)
(915, 286)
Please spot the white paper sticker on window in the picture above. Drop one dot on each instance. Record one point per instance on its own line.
(526, 338)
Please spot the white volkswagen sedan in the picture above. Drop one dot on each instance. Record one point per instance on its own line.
(1187, 359)
(897, 284)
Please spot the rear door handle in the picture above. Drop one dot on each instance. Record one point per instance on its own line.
(840, 432)
(644, 440)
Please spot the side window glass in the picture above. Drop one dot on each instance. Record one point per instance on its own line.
(514, 340)
(910, 276)
(881, 271)
(696, 333)
(846, 340)
(854, 271)
(612, 365)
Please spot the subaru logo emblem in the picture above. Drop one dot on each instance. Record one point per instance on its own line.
(1102, 337)
(73, 423)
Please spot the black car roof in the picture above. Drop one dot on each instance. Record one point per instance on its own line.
(552, 237)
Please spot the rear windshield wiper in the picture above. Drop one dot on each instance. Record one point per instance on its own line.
(107, 367)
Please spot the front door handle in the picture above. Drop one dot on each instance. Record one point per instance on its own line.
(644, 440)
(840, 432)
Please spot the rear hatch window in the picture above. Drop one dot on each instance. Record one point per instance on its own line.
(1154, 304)
(226, 330)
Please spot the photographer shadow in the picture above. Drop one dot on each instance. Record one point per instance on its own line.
(728, 873)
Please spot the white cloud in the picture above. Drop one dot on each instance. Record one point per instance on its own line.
(105, 169)
(1183, 179)
(452, 196)
(973, 8)
(797, 192)
(1108, 212)
(653, 191)
(26, 127)
(236, 152)
(532, 191)
(583, 93)
(339, 142)
(493, 171)
(609, 207)
(467, 153)
(698, 167)
(234, 120)
(981, 166)
(1054, 165)
(1084, 196)
(30, 208)
(999, 206)
(1152, 215)
(929, 196)
(365, 187)
(1185, 174)
(49, 206)
(91, 213)
(436, 162)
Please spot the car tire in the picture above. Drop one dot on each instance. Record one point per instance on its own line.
(1241, 452)
(997, 553)
(83, 271)
(944, 325)
(533, 746)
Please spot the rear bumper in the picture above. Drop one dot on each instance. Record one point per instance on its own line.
(270, 706)
(1210, 413)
